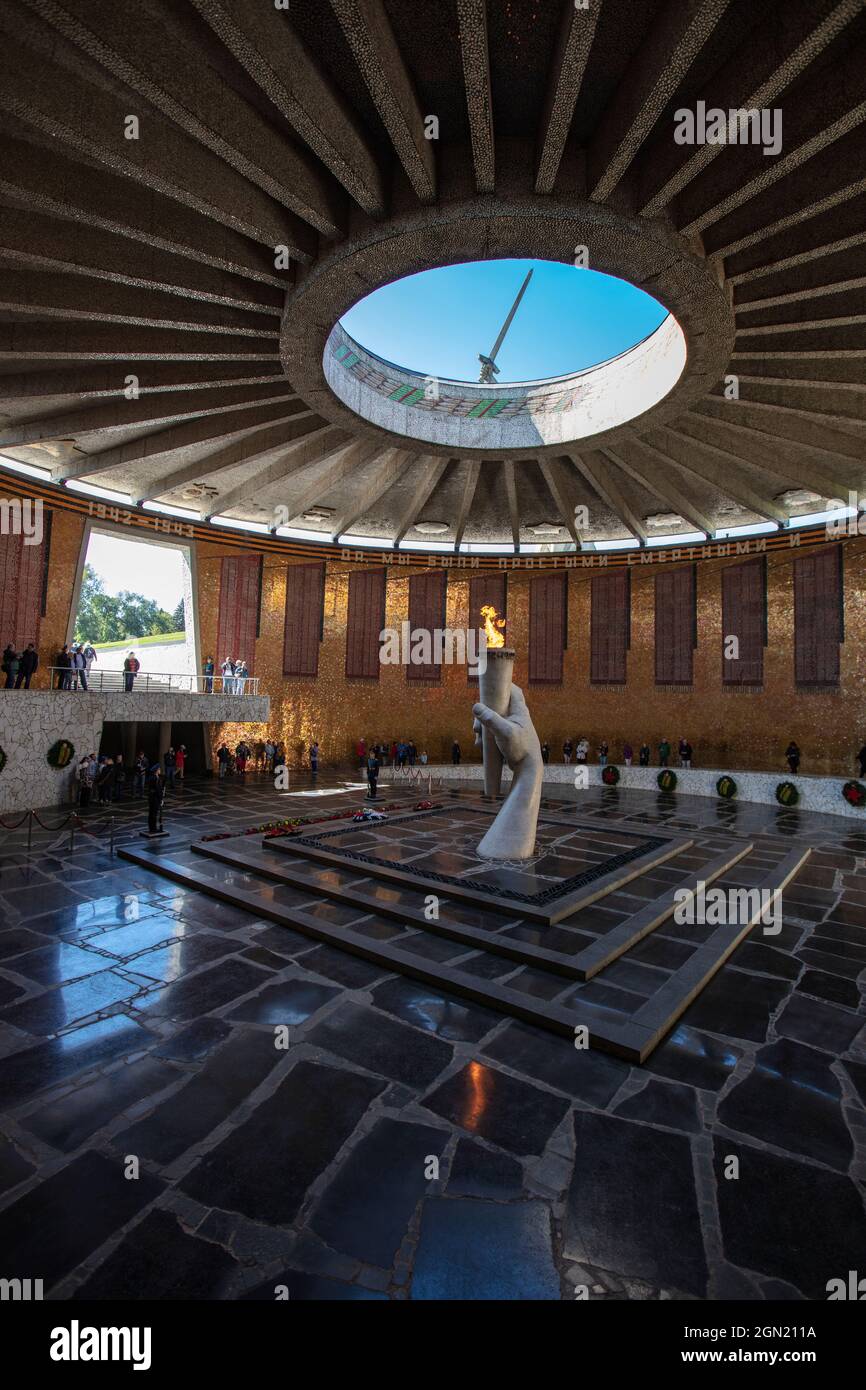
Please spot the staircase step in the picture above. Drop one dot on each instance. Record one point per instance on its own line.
(611, 1024)
(621, 938)
(662, 1009)
(550, 914)
(606, 1029)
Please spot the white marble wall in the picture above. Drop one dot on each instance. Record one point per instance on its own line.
(816, 793)
(32, 720)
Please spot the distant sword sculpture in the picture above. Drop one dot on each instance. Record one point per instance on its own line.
(489, 368)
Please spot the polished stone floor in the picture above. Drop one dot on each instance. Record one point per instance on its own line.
(144, 1021)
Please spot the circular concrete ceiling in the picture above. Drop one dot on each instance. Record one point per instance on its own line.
(194, 191)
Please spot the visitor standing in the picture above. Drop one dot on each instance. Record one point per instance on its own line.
(27, 666)
(545, 752)
(314, 758)
(140, 777)
(455, 752)
(223, 757)
(644, 754)
(792, 753)
(169, 757)
(208, 670)
(85, 781)
(664, 753)
(228, 674)
(104, 781)
(581, 752)
(155, 798)
(64, 668)
(567, 750)
(89, 652)
(373, 766)
(361, 751)
(861, 758)
(11, 662)
(119, 778)
(602, 753)
(79, 669)
(131, 668)
(627, 754)
(685, 753)
(241, 674)
(423, 758)
(180, 762)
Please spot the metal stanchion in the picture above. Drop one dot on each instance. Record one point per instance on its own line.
(29, 830)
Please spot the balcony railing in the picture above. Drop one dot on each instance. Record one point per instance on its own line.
(157, 682)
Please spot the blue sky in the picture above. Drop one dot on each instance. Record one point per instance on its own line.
(438, 322)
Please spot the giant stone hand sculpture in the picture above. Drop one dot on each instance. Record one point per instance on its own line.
(512, 834)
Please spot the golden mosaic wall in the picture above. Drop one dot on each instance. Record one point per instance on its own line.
(726, 729)
(67, 536)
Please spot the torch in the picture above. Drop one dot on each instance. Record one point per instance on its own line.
(494, 690)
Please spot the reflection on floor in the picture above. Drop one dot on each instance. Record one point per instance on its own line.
(138, 1016)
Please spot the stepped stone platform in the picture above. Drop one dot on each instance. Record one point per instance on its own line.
(581, 940)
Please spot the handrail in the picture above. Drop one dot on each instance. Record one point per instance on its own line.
(182, 683)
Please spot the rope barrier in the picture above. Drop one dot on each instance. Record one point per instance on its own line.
(73, 820)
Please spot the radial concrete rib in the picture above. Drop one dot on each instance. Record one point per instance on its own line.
(319, 446)
(394, 464)
(721, 470)
(753, 306)
(371, 39)
(429, 471)
(561, 490)
(472, 18)
(191, 432)
(805, 211)
(710, 197)
(35, 242)
(96, 383)
(830, 423)
(675, 38)
(263, 40)
(799, 383)
(336, 465)
(842, 446)
(253, 447)
(655, 473)
(807, 257)
(112, 203)
(801, 326)
(764, 452)
(74, 297)
(26, 342)
(576, 33)
(473, 469)
(89, 121)
(598, 467)
(162, 409)
(511, 495)
(160, 67)
(754, 78)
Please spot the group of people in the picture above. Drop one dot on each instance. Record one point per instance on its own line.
(579, 750)
(267, 757)
(105, 779)
(74, 664)
(19, 667)
(235, 675)
(398, 752)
